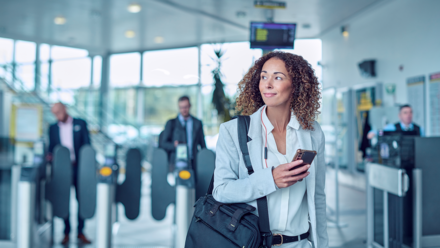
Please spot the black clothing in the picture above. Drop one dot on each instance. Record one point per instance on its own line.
(175, 131)
(80, 138)
(416, 129)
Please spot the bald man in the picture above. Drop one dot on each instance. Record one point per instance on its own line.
(73, 134)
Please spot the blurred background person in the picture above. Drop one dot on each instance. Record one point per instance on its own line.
(184, 129)
(71, 133)
(405, 125)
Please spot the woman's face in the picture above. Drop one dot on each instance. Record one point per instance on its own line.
(275, 83)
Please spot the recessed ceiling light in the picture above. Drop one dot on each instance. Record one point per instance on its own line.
(59, 20)
(134, 8)
(344, 31)
(130, 34)
(158, 39)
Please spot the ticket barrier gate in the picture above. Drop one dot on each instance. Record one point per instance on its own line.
(385, 227)
(183, 193)
(57, 192)
(29, 197)
(109, 193)
(44, 192)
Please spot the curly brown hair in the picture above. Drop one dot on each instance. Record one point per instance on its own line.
(305, 93)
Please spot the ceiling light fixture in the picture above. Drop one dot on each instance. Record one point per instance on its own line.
(59, 20)
(134, 8)
(130, 34)
(158, 39)
(344, 31)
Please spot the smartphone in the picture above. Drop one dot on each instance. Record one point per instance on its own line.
(306, 156)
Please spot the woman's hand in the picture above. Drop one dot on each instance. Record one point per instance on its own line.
(284, 176)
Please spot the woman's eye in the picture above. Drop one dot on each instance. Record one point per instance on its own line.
(278, 78)
(263, 77)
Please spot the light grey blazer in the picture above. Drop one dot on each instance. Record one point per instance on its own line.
(232, 184)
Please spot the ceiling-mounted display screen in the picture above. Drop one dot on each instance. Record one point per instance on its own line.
(271, 36)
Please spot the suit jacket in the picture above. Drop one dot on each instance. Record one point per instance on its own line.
(175, 131)
(232, 184)
(80, 136)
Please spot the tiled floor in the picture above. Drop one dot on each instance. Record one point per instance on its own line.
(146, 232)
(352, 206)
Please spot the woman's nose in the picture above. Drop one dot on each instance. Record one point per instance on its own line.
(269, 84)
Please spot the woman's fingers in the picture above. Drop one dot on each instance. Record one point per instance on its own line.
(295, 178)
(298, 170)
(293, 164)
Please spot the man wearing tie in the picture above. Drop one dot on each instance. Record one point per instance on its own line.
(71, 133)
(405, 125)
(184, 129)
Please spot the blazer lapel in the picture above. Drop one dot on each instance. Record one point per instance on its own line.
(57, 134)
(305, 142)
(255, 145)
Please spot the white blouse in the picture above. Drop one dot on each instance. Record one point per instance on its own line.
(288, 210)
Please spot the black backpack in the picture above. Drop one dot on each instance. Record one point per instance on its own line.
(220, 225)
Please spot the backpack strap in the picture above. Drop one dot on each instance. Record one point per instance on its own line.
(263, 212)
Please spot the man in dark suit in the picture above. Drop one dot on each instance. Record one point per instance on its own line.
(73, 134)
(184, 129)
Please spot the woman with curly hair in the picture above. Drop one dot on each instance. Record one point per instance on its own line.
(281, 95)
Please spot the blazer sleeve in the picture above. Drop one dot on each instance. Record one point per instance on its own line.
(228, 187)
(320, 201)
(167, 143)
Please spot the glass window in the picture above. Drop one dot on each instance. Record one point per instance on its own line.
(44, 52)
(44, 76)
(25, 51)
(26, 74)
(71, 74)
(123, 103)
(6, 50)
(61, 52)
(310, 50)
(171, 67)
(125, 69)
(97, 67)
(237, 59)
(161, 103)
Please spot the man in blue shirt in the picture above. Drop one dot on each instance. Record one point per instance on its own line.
(405, 124)
(184, 129)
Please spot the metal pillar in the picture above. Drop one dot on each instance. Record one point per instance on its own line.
(185, 198)
(26, 207)
(104, 216)
(417, 208)
(184, 211)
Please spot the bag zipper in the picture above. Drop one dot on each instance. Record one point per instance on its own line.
(206, 224)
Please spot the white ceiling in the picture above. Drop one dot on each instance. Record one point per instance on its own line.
(100, 25)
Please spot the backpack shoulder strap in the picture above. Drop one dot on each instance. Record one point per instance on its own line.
(263, 212)
(243, 139)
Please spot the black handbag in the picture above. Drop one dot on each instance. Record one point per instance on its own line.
(220, 225)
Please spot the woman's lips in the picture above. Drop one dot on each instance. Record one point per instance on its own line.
(269, 94)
